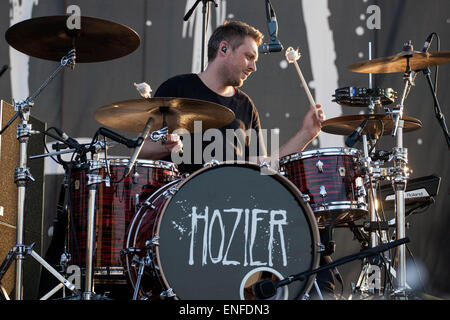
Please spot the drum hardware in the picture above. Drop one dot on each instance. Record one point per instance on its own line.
(168, 294)
(160, 134)
(21, 176)
(143, 262)
(211, 163)
(319, 165)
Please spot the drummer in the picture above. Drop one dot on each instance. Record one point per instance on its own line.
(232, 57)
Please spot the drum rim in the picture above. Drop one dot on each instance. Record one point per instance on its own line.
(135, 222)
(123, 161)
(309, 214)
(334, 151)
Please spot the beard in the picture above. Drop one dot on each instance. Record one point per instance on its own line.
(232, 77)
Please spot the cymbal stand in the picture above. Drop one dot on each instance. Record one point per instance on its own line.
(21, 177)
(399, 180)
(93, 180)
(376, 234)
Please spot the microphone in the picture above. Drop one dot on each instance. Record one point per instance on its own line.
(72, 143)
(270, 47)
(118, 138)
(3, 69)
(264, 289)
(427, 44)
(138, 148)
(272, 26)
(351, 139)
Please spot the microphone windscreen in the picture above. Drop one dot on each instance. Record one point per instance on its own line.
(264, 289)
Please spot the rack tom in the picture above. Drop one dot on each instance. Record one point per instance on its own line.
(332, 180)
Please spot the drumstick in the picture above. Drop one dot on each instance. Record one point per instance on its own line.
(292, 56)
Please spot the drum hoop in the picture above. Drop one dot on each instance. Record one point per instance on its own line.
(313, 226)
(137, 219)
(340, 205)
(320, 152)
(145, 163)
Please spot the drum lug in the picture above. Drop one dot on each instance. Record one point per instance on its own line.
(94, 179)
(153, 242)
(319, 165)
(305, 197)
(323, 191)
(320, 247)
(361, 191)
(264, 164)
(169, 293)
(170, 192)
(211, 163)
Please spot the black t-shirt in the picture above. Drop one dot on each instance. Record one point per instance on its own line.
(244, 132)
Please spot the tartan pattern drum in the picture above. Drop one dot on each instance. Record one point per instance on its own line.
(116, 204)
(332, 180)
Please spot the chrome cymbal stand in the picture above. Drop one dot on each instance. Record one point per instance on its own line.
(400, 177)
(368, 281)
(21, 177)
(93, 180)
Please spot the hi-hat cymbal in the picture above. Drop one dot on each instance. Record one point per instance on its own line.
(50, 38)
(174, 113)
(346, 125)
(398, 63)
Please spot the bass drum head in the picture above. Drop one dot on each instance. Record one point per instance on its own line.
(231, 225)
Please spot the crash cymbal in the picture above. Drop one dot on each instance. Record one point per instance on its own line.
(175, 113)
(398, 63)
(346, 125)
(49, 38)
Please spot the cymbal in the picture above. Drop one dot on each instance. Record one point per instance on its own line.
(398, 63)
(346, 125)
(174, 113)
(49, 38)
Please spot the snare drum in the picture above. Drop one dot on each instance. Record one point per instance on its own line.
(332, 180)
(116, 204)
(214, 234)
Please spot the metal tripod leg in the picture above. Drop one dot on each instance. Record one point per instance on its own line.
(23, 251)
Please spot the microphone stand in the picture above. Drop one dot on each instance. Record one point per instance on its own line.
(357, 256)
(205, 17)
(437, 108)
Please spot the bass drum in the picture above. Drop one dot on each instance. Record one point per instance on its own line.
(214, 234)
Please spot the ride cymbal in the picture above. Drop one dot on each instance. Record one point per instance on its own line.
(174, 113)
(398, 63)
(376, 123)
(49, 38)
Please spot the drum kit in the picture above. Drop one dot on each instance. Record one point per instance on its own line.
(142, 224)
